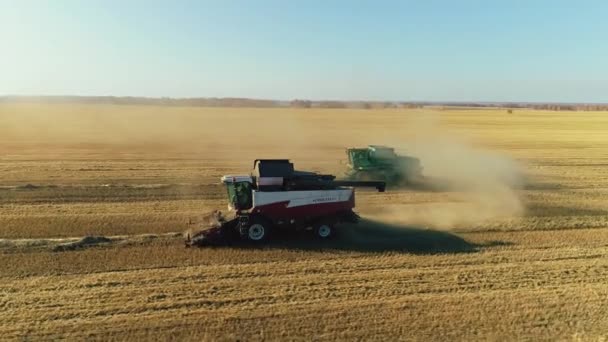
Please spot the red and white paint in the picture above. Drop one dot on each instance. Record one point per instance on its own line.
(302, 204)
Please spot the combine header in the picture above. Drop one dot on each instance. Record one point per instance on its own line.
(277, 197)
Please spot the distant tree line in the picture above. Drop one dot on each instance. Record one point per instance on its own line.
(297, 103)
(162, 101)
(352, 104)
(562, 107)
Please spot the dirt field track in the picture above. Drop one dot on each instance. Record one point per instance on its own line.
(519, 252)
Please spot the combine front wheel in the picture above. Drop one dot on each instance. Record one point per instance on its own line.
(257, 231)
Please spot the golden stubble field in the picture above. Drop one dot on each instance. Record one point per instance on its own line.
(518, 251)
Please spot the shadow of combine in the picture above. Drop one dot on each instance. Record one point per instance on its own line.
(373, 236)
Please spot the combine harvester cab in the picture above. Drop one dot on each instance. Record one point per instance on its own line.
(381, 163)
(277, 197)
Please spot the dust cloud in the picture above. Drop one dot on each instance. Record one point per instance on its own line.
(235, 134)
(482, 184)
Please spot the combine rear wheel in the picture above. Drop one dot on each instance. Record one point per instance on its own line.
(324, 230)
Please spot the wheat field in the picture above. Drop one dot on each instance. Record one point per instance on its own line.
(519, 251)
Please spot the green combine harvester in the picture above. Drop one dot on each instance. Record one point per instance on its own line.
(381, 163)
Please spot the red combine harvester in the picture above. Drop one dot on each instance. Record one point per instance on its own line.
(277, 197)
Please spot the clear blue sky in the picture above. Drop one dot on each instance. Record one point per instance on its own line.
(371, 50)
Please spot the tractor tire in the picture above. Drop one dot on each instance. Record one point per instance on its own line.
(324, 231)
(257, 231)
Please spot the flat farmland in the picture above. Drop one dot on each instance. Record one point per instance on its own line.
(518, 250)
